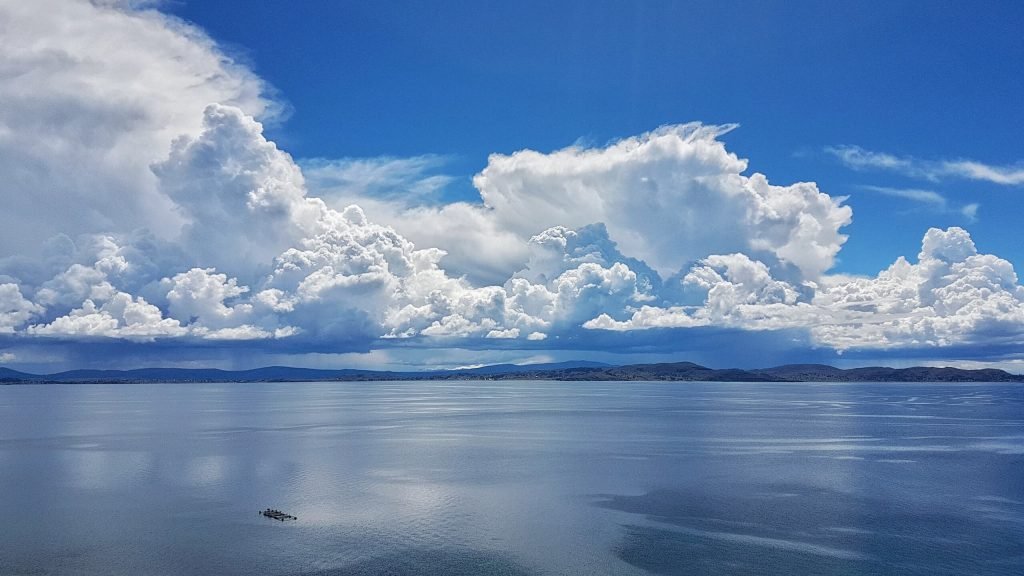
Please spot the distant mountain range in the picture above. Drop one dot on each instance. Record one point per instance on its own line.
(676, 371)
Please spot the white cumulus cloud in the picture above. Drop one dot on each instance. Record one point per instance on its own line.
(15, 309)
(173, 217)
(91, 94)
(119, 316)
(953, 295)
(668, 197)
(243, 199)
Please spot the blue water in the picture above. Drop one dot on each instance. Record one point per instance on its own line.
(515, 478)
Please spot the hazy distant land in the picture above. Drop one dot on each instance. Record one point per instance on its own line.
(566, 371)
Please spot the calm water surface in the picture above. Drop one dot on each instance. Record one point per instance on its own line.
(513, 478)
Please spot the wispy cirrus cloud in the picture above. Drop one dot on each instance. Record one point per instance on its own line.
(412, 180)
(1005, 175)
(928, 198)
(970, 211)
(859, 158)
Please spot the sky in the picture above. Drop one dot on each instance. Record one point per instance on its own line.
(406, 185)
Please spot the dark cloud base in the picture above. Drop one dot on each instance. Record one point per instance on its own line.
(713, 347)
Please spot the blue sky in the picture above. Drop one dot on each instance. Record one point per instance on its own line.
(935, 81)
(142, 219)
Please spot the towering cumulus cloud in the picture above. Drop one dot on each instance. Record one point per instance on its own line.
(90, 95)
(243, 200)
(668, 197)
(953, 295)
(143, 203)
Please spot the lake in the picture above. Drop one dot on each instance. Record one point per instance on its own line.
(512, 478)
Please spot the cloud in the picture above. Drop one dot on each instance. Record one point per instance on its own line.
(408, 181)
(667, 197)
(404, 193)
(559, 249)
(334, 277)
(928, 198)
(917, 195)
(177, 225)
(198, 297)
(476, 244)
(738, 292)
(99, 309)
(419, 298)
(91, 94)
(119, 316)
(15, 309)
(243, 199)
(952, 296)
(1005, 175)
(859, 158)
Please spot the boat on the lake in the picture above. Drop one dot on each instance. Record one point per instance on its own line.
(277, 515)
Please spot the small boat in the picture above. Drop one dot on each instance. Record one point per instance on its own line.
(277, 515)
